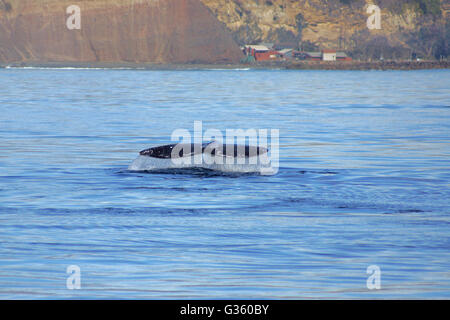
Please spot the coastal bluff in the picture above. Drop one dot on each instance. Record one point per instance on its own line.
(114, 31)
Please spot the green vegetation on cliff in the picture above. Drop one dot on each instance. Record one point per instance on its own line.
(409, 27)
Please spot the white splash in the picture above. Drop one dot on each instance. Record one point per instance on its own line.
(251, 165)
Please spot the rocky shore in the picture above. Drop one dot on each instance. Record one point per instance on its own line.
(378, 65)
(284, 65)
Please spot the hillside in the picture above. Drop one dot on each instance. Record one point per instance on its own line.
(407, 25)
(210, 31)
(147, 31)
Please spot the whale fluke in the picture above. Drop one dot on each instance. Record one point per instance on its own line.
(210, 155)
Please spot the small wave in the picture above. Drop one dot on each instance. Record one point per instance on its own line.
(410, 211)
(231, 69)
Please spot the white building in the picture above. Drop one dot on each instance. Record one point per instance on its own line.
(329, 55)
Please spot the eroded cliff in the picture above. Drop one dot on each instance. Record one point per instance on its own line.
(149, 31)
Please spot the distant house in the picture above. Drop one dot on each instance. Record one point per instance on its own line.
(269, 45)
(257, 47)
(269, 55)
(298, 55)
(314, 56)
(301, 55)
(255, 50)
(342, 56)
(329, 55)
(262, 52)
(324, 55)
(286, 53)
(284, 45)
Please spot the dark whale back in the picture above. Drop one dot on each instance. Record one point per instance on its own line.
(165, 152)
(226, 150)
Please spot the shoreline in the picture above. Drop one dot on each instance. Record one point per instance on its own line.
(269, 65)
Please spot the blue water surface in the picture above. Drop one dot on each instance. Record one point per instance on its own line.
(363, 180)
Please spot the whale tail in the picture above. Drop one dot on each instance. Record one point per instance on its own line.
(210, 155)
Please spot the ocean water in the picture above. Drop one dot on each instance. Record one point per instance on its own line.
(363, 181)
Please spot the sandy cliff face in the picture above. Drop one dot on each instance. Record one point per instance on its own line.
(153, 31)
(336, 24)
